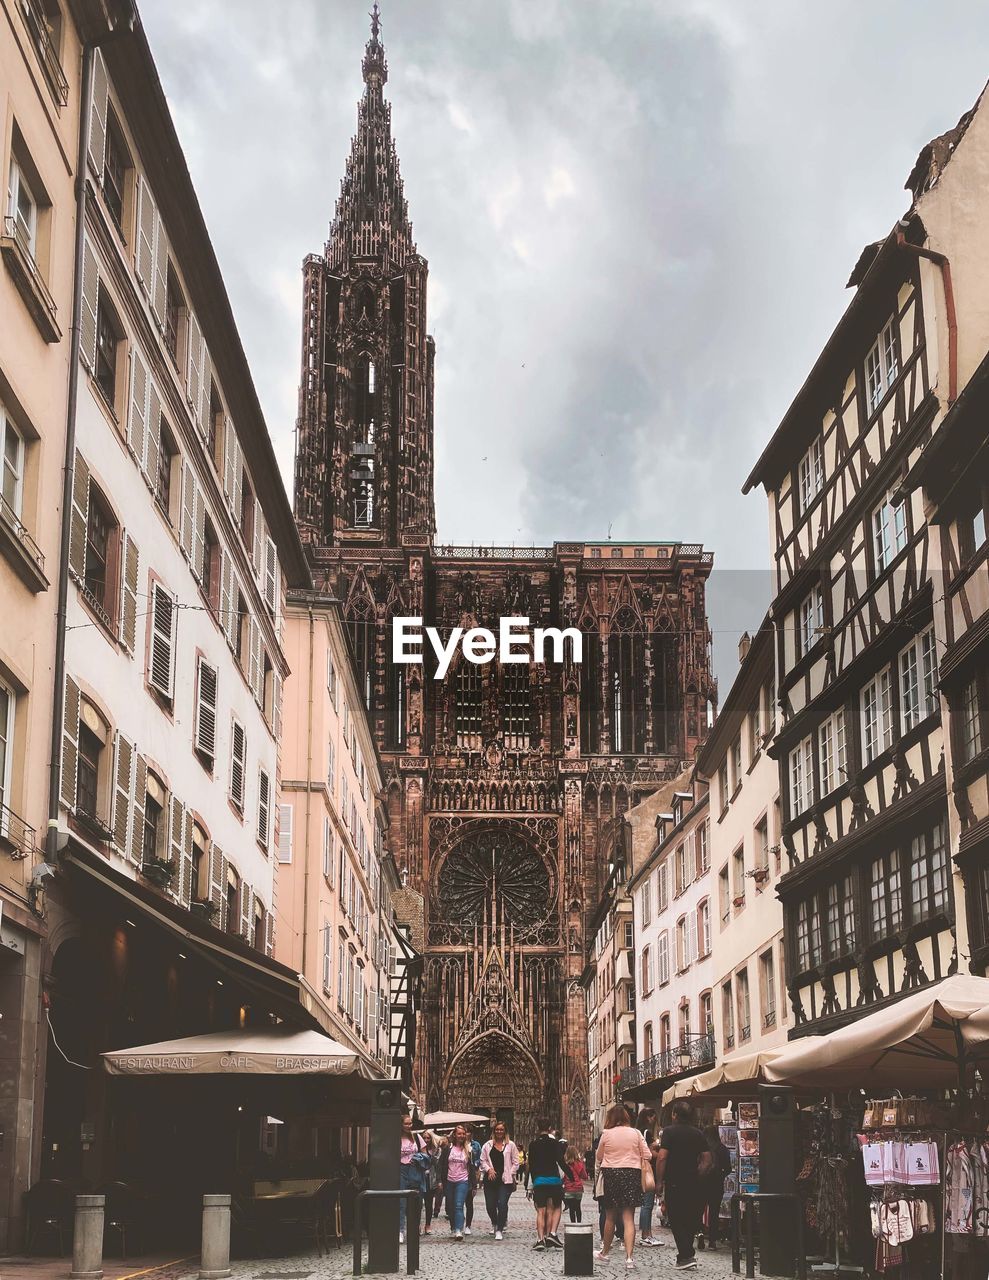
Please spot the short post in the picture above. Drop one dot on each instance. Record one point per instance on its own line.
(87, 1239)
(578, 1249)
(214, 1263)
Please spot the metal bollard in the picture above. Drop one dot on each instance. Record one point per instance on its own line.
(87, 1239)
(214, 1263)
(578, 1249)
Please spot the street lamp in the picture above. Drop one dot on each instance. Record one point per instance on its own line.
(685, 1056)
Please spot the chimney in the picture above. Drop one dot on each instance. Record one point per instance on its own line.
(743, 646)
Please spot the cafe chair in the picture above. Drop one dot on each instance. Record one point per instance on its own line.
(49, 1210)
(120, 1215)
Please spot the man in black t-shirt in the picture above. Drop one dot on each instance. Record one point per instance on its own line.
(684, 1158)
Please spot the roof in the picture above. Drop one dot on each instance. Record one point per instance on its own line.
(752, 671)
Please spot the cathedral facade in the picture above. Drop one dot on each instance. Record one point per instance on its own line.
(506, 783)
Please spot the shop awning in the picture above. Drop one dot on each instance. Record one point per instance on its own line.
(734, 1078)
(925, 1040)
(279, 1051)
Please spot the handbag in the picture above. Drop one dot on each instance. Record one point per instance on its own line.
(598, 1184)
(648, 1177)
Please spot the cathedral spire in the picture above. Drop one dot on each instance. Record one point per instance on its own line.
(372, 218)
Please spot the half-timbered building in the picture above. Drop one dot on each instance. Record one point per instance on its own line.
(869, 903)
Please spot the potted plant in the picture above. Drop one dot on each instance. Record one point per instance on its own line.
(159, 871)
(203, 908)
(738, 900)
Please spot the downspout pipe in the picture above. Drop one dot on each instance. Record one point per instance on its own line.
(949, 305)
(89, 49)
(305, 850)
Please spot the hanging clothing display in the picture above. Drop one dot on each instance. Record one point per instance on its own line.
(958, 1189)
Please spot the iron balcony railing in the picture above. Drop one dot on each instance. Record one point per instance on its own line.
(41, 35)
(690, 1055)
(14, 523)
(15, 833)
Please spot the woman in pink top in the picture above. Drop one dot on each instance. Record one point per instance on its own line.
(454, 1174)
(621, 1151)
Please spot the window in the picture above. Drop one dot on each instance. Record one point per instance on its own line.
(744, 1006)
(755, 727)
(211, 566)
(152, 844)
(662, 889)
(877, 716)
(168, 455)
(840, 918)
(767, 981)
(724, 795)
(629, 938)
(22, 210)
(44, 22)
(101, 537)
(704, 847)
(116, 162)
(327, 953)
(663, 958)
(706, 1022)
(595, 553)
(286, 816)
(94, 735)
(682, 945)
(881, 365)
(205, 735)
(11, 468)
(811, 477)
(918, 680)
(238, 764)
(264, 808)
(971, 718)
(809, 933)
(724, 894)
(762, 848)
(646, 970)
(685, 1022)
(469, 697)
(738, 875)
(645, 903)
(811, 620)
(231, 902)
(616, 553)
(889, 531)
(680, 869)
(728, 1014)
(929, 884)
(200, 864)
(801, 777)
(704, 928)
(515, 705)
(664, 1033)
(971, 527)
(331, 765)
(7, 703)
(259, 926)
(647, 1042)
(885, 895)
(108, 336)
(736, 764)
(832, 752)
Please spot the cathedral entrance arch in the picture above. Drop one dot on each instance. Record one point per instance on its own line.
(495, 1074)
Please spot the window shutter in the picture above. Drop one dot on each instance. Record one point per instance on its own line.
(260, 533)
(238, 761)
(229, 458)
(205, 393)
(159, 292)
(147, 223)
(80, 517)
(217, 880)
(231, 619)
(237, 480)
(264, 807)
(199, 543)
(692, 938)
(327, 945)
(90, 300)
(246, 908)
(269, 932)
(97, 117)
(137, 409)
(70, 742)
(194, 364)
(270, 574)
(123, 785)
(137, 813)
(128, 592)
(255, 669)
(177, 849)
(187, 531)
(206, 681)
(162, 628)
(276, 705)
(226, 574)
(152, 437)
(286, 815)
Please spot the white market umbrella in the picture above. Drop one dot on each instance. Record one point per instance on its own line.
(446, 1119)
(277, 1051)
(925, 1040)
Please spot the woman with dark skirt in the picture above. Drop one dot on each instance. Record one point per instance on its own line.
(620, 1156)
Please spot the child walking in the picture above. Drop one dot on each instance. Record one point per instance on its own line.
(573, 1187)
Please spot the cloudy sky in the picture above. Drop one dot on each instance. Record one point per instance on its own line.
(639, 216)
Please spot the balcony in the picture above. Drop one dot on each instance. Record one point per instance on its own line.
(626, 1030)
(23, 267)
(625, 967)
(40, 30)
(21, 549)
(693, 1054)
(15, 834)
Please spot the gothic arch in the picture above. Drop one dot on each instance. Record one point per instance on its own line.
(494, 1073)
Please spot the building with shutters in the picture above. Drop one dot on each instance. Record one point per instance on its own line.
(161, 911)
(337, 882)
(39, 121)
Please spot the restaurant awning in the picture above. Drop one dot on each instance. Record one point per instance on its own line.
(734, 1078)
(925, 1040)
(280, 1051)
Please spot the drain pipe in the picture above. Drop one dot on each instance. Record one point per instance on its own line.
(75, 338)
(949, 304)
(305, 848)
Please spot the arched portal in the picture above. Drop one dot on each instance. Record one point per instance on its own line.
(493, 1074)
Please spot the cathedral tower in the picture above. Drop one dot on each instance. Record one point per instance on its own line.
(364, 452)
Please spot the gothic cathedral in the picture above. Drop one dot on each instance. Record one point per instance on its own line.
(506, 784)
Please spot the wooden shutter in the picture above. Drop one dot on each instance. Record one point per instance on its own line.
(237, 468)
(123, 787)
(137, 407)
(80, 517)
(217, 880)
(283, 850)
(70, 743)
(159, 290)
(269, 932)
(177, 849)
(206, 680)
(226, 574)
(90, 302)
(205, 394)
(199, 537)
(137, 813)
(264, 807)
(128, 592)
(260, 533)
(327, 952)
(254, 657)
(194, 365)
(162, 630)
(271, 574)
(246, 909)
(238, 762)
(147, 225)
(97, 117)
(276, 705)
(152, 438)
(187, 530)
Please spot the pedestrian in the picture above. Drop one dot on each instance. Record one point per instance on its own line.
(589, 1160)
(545, 1166)
(429, 1181)
(621, 1154)
(714, 1183)
(442, 1142)
(454, 1176)
(410, 1176)
(499, 1170)
(647, 1122)
(683, 1161)
(573, 1187)
(474, 1147)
